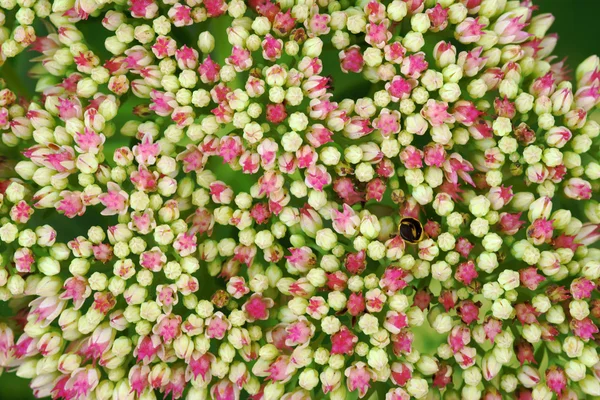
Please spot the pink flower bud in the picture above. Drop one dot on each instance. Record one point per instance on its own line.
(393, 280)
(588, 97)
(469, 31)
(438, 16)
(344, 187)
(395, 322)
(6, 345)
(448, 299)
(509, 28)
(45, 309)
(526, 313)
(558, 136)
(530, 278)
(472, 62)
(468, 311)
(578, 189)
(589, 234)
(443, 376)
(375, 189)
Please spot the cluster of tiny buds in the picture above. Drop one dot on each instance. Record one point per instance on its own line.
(201, 200)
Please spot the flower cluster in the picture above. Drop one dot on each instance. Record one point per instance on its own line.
(202, 198)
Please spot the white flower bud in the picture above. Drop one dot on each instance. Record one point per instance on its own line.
(442, 323)
(312, 47)
(417, 387)
(502, 309)
(492, 290)
(575, 370)
(479, 206)
(509, 279)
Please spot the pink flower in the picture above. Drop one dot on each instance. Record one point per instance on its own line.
(468, 311)
(582, 288)
(168, 327)
(524, 351)
(589, 234)
(492, 327)
(44, 310)
(466, 273)
(185, 244)
(459, 337)
(471, 61)
(81, 383)
(301, 258)
(578, 189)
(97, 344)
(76, 289)
(393, 279)
(395, 322)
(402, 342)
(411, 157)
(257, 307)
(355, 263)
(359, 378)
(401, 373)
(176, 384)
(346, 221)
(115, 200)
(344, 187)
(147, 348)
(199, 366)
(448, 299)
(556, 379)
(299, 332)
(526, 313)
(351, 59)
(456, 166)
(319, 135)
(138, 378)
(355, 304)
(225, 390)
(530, 278)
(378, 34)
(217, 325)
(469, 31)
(6, 345)
(585, 328)
(375, 190)
(23, 259)
(540, 231)
(443, 376)
(399, 88)
(509, 29)
(357, 128)
(588, 97)
(510, 223)
(280, 370)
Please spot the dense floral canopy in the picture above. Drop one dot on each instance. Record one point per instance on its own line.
(297, 199)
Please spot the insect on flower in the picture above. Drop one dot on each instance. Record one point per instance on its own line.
(411, 230)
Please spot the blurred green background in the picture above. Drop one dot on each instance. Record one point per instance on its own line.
(578, 28)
